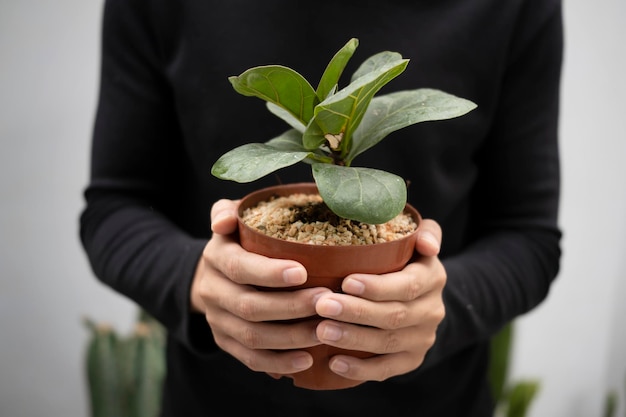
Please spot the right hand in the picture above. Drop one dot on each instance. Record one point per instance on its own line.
(244, 319)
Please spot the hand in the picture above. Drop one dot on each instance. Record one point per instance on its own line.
(393, 315)
(240, 316)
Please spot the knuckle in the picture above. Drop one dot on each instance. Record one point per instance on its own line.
(204, 290)
(206, 252)
(251, 362)
(442, 277)
(293, 306)
(232, 268)
(430, 339)
(250, 338)
(440, 313)
(246, 308)
(414, 288)
(392, 343)
(418, 361)
(220, 341)
(397, 317)
(436, 313)
(386, 373)
(359, 313)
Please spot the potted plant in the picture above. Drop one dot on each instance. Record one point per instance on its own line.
(330, 127)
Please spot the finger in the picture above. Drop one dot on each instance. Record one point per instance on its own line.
(268, 335)
(273, 362)
(257, 306)
(244, 267)
(224, 217)
(380, 341)
(376, 368)
(429, 237)
(381, 314)
(416, 279)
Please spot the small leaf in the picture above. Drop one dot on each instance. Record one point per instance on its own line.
(362, 194)
(335, 68)
(281, 86)
(395, 111)
(252, 161)
(343, 111)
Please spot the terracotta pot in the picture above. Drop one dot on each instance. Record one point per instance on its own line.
(326, 266)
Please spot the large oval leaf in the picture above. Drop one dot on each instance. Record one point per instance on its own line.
(362, 194)
(395, 111)
(281, 86)
(252, 161)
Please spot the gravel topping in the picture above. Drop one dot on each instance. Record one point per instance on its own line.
(305, 218)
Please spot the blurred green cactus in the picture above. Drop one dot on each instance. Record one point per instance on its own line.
(512, 400)
(125, 374)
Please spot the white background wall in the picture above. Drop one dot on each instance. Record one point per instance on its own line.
(574, 343)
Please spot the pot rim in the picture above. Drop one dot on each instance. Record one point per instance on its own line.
(259, 195)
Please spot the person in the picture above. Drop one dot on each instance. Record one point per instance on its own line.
(159, 229)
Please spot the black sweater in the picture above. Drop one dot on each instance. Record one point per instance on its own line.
(491, 178)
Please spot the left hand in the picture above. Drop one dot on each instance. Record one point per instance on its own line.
(394, 315)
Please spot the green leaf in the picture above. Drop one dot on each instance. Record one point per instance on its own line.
(286, 116)
(362, 194)
(499, 361)
(521, 397)
(252, 161)
(281, 86)
(290, 141)
(335, 68)
(313, 136)
(343, 111)
(610, 404)
(395, 111)
(375, 62)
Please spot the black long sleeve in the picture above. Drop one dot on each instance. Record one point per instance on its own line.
(134, 245)
(507, 269)
(166, 112)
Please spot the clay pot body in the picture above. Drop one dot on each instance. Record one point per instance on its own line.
(326, 266)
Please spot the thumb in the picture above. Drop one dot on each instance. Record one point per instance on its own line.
(429, 235)
(224, 216)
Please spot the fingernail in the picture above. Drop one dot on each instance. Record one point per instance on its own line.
(340, 367)
(332, 333)
(302, 362)
(352, 286)
(294, 275)
(329, 308)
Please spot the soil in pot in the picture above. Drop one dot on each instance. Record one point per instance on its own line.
(305, 218)
(329, 248)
